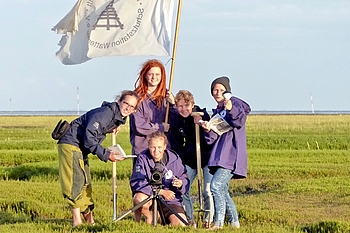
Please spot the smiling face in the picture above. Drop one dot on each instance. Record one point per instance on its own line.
(156, 147)
(154, 76)
(218, 91)
(184, 108)
(127, 105)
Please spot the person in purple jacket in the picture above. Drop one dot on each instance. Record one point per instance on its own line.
(150, 114)
(85, 136)
(173, 182)
(228, 159)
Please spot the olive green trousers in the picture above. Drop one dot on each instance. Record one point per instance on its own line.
(75, 178)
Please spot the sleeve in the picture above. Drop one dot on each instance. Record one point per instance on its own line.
(206, 116)
(210, 137)
(172, 108)
(96, 122)
(139, 180)
(236, 117)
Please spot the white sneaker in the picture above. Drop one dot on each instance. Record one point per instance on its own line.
(235, 224)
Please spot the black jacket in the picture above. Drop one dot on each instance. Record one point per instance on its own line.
(182, 138)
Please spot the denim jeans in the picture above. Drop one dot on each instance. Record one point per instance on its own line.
(223, 202)
(206, 193)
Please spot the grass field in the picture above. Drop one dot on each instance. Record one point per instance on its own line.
(298, 178)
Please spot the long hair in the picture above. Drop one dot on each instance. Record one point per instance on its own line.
(141, 84)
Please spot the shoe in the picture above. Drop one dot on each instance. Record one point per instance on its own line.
(192, 223)
(235, 224)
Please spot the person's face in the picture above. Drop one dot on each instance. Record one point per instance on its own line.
(154, 76)
(184, 108)
(156, 147)
(218, 90)
(127, 105)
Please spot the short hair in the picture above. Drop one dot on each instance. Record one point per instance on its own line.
(185, 95)
(157, 134)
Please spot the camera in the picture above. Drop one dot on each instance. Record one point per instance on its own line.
(157, 174)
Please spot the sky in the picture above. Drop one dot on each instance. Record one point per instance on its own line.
(277, 54)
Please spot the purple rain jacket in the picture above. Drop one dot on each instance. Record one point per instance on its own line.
(141, 176)
(230, 149)
(146, 120)
(89, 130)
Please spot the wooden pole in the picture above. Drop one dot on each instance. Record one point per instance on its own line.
(173, 58)
(199, 159)
(114, 179)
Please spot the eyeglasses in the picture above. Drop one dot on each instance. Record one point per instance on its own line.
(128, 105)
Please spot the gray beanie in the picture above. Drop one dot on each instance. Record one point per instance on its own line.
(225, 81)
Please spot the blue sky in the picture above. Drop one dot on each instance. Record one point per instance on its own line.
(275, 52)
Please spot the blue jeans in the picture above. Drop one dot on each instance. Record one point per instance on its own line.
(223, 202)
(207, 196)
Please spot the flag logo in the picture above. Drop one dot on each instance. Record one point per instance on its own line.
(109, 19)
(102, 38)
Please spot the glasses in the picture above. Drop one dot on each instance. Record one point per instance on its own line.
(128, 105)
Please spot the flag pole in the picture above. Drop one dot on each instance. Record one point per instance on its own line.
(173, 57)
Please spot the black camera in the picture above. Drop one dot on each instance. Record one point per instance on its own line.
(157, 174)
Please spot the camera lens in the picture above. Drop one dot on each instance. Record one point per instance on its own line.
(156, 176)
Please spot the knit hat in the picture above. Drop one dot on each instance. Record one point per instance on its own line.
(225, 81)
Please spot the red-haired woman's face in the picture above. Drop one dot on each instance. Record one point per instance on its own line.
(154, 76)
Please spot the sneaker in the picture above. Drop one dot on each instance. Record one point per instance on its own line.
(192, 223)
(235, 224)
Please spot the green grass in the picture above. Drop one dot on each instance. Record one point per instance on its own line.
(298, 178)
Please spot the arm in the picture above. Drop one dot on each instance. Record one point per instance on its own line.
(236, 116)
(139, 181)
(95, 123)
(142, 119)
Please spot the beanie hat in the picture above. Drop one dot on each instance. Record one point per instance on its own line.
(225, 81)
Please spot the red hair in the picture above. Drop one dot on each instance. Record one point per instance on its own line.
(159, 94)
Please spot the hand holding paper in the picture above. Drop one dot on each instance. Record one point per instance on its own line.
(115, 156)
(119, 152)
(217, 124)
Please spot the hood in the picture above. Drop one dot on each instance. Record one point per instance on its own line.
(245, 105)
(115, 108)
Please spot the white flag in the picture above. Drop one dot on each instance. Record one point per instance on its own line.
(96, 28)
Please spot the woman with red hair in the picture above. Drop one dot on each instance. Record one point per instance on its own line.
(150, 114)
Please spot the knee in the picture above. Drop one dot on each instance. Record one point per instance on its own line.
(139, 197)
(215, 187)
